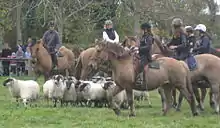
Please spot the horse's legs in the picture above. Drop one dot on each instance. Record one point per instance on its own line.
(203, 95)
(180, 99)
(211, 102)
(168, 94)
(174, 97)
(130, 97)
(163, 98)
(148, 99)
(37, 75)
(198, 99)
(188, 94)
(114, 105)
(67, 72)
(215, 96)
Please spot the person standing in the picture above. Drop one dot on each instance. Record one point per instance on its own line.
(6, 51)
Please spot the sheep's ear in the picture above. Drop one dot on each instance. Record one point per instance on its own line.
(62, 77)
(7, 80)
(83, 86)
(54, 76)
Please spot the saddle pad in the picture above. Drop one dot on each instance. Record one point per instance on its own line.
(191, 62)
(154, 65)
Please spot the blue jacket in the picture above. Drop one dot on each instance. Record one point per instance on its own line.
(203, 46)
(52, 40)
(183, 48)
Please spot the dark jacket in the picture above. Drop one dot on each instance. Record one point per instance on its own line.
(191, 41)
(110, 33)
(5, 54)
(183, 50)
(51, 40)
(203, 46)
(145, 46)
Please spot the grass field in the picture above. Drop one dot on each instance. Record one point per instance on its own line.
(12, 116)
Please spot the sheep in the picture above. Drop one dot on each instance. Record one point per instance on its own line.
(70, 95)
(27, 90)
(54, 89)
(141, 95)
(91, 92)
(120, 99)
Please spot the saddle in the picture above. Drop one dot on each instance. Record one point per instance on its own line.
(191, 62)
(136, 61)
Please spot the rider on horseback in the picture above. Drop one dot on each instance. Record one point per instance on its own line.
(109, 34)
(191, 39)
(145, 47)
(204, 41)
(179, 40)
(52, 43)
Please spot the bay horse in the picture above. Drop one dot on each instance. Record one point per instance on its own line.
(43, 61)
(171, 74)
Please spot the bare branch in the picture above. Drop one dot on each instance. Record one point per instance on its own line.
(82, 8)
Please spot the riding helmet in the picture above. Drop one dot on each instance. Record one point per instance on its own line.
(145, 26)
(177, 22)
(51, 24)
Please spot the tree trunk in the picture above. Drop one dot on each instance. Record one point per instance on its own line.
(18, 23)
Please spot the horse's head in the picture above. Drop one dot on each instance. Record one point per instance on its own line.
(130, 41)
(100, 54)
(107, 51)
(35, 47)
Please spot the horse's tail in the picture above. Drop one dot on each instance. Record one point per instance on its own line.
(188, 77)
(78, 68)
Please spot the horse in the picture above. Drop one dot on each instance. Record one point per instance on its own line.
(43, 62)
(170, 74)
(205, 76)
(82, 69)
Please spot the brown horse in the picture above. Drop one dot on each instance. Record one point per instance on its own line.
(205, 76)
(82, 69)
(171, 74)
(43, 61)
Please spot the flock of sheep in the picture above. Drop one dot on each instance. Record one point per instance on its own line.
(69, 90)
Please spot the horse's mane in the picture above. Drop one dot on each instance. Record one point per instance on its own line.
(117, 50)
(133, 38)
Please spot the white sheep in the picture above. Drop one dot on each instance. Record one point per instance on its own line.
(54, 89)
(92, 92)
(27, 90)
(70, 95)
(120, 99)
(141, 95)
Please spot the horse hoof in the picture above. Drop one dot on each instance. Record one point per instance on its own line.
(174, 105)
(212, 105)
(132, 115)
(178, 110)
(195, 114)
(117, 111)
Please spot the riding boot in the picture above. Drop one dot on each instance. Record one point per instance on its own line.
(143, 79)
(54, 60)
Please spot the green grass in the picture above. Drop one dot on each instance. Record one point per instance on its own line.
(12, 116)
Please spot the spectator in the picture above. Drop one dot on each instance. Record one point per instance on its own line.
(27, 56)
(28, 53)
(13, 63)
(20, 64)
(6, 51)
